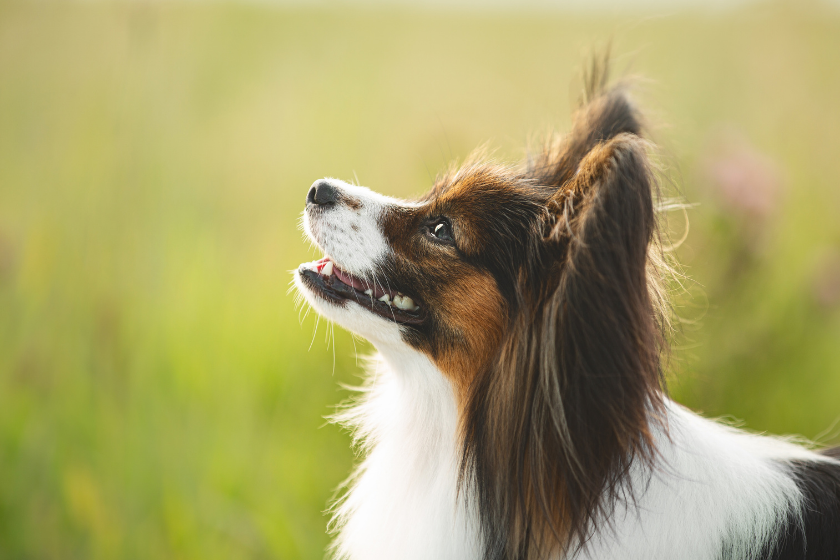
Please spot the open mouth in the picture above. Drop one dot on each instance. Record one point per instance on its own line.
(332, 283)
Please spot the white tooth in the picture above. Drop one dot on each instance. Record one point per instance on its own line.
(398, 300)
(386, 298)
(406, 303)
(369, 292)
(327, 270)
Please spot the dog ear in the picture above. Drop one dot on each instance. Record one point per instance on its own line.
(568, 406)
(599, 372)
(600, 332)
(604, 114)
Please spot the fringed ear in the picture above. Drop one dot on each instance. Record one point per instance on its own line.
(600, 338)
(600, 331)
(551, 432)
(604, 114)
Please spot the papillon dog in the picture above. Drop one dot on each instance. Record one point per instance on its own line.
(516, 407)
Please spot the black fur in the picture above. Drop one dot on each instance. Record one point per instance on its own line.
(817, 535)
(565, 409)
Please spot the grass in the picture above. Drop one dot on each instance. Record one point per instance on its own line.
(157, 395)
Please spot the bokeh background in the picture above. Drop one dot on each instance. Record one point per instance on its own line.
(158, 394)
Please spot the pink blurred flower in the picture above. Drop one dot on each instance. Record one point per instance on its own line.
(744, 181)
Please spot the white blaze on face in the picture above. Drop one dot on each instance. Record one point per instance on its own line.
(350, 232)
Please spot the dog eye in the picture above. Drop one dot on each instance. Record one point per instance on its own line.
(442, 231)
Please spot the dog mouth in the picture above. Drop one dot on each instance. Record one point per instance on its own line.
(333, 284)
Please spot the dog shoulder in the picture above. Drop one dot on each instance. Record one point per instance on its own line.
(815, 533)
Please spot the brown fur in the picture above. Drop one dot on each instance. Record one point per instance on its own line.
(543, 312)
(566, 405)
(466, 307)
(351, 201)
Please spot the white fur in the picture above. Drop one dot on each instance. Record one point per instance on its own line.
(404, 502)
(713, 486)
(358, 251)
(352, 236)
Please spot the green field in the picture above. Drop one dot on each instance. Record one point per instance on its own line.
(157, 395)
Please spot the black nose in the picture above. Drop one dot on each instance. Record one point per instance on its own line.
(322, 193)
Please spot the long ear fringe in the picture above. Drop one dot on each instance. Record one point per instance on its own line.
(551, 432)
(604, 113)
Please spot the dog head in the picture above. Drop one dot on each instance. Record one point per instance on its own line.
(438, 274)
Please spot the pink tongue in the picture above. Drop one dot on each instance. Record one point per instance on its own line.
(358, 284)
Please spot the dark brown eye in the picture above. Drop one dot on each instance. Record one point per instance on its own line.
(442, 231)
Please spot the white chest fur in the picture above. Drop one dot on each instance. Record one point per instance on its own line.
(713, 487)
(403, 501)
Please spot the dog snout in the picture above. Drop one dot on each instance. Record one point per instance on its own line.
(322, 193)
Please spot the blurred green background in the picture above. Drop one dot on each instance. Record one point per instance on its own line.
(157, 395)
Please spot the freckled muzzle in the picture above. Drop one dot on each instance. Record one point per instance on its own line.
(337, 286)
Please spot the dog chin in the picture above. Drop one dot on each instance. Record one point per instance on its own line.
(351, 316)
